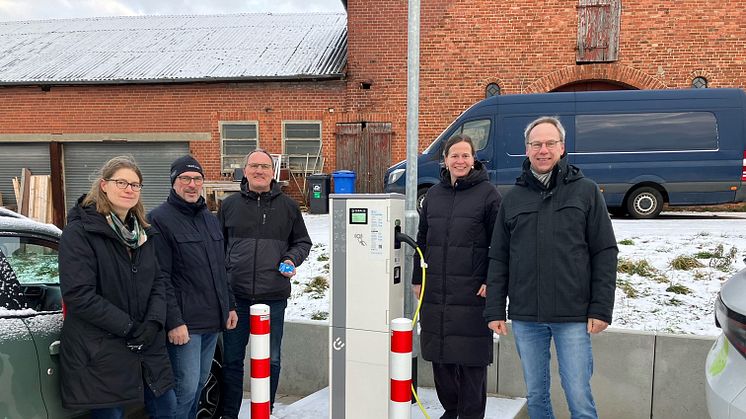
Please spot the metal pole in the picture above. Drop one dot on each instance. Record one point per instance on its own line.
(413, 108)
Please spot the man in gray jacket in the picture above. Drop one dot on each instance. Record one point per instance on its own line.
(554, 255)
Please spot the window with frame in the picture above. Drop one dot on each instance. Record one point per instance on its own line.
(302, 142)
(237, 139)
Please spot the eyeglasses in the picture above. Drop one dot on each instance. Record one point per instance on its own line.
(123, 184)
(536, 145)
(185, 180)
(263, 166)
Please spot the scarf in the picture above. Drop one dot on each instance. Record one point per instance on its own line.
(133, 238)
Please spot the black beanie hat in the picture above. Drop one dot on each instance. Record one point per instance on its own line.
(185, 164)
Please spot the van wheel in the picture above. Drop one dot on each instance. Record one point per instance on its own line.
(645, 202)
(421, 197)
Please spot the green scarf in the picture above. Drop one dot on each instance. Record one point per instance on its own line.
(133, 238)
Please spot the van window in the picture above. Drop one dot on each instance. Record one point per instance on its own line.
(646, 132)
(478, 131)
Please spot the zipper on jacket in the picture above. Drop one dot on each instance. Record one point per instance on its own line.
(443, 269)
(256, 243)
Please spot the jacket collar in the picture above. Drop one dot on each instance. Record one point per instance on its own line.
(275, 189)
(477, 175)
(563, 171)
(187, 208)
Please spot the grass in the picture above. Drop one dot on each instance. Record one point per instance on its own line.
(704, 255)
(626, 287)
(679, 289)
(317, 287)
(323, 257)
(627, 242)
(320, 315)
(686, 263)
(636, 267)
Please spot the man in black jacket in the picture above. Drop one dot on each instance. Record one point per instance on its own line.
(263, 228)
(192, 259)
(554, 255)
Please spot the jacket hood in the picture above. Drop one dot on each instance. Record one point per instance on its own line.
(562, 170)
(477, 175)
(275, 189)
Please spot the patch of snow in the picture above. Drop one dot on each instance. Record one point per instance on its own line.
(316, 406)
(657, 241)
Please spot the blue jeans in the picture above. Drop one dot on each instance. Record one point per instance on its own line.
(573, 344)
(162, 407)
(191, 364)
(234, 352)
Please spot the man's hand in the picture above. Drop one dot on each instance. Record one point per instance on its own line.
(289, 274)
(499, 327)
(596, 326)
(416, 289)
(179, 335)
(232, 320)
(482, 291)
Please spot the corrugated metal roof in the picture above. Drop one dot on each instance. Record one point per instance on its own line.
(173, 48)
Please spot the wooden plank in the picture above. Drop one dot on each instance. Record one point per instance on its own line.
(50, 201)
(25, 185)
(31, 198)
(17, 189)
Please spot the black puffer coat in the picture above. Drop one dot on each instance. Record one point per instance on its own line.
(454, 234)
(105, 291)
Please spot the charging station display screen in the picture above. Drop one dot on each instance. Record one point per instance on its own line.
(358, 215)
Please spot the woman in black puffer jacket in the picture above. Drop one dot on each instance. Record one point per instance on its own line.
(455, 230)
(113, 341)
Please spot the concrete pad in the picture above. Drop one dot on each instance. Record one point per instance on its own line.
(680, 371)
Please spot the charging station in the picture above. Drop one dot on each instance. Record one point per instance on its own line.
(367, 292)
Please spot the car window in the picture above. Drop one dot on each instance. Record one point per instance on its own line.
(33, 260)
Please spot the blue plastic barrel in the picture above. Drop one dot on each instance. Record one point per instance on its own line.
(344, 181)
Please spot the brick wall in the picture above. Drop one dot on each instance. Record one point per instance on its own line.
(529, 47)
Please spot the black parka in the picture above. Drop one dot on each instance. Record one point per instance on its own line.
(261, 230)
(454, 234)
(191, 256)
(105, 291)
(553, 252)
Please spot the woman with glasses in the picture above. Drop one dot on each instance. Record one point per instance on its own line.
(113, 340)
(454, 234)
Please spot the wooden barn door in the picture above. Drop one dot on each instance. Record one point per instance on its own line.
(366, 149)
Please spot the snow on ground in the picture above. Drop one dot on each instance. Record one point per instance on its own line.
(667, 300)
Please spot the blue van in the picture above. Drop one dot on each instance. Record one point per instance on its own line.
(644, 148)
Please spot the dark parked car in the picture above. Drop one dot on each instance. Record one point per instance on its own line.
(30, 324)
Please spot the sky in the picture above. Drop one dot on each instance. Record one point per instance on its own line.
(61, 9)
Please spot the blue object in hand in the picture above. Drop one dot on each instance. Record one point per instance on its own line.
(286, 267)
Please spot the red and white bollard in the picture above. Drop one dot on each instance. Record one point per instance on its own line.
(259, 361)
(400, 369)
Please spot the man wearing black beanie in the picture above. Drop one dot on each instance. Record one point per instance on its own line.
(191, 257)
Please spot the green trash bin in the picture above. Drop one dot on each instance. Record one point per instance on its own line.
(319, 193)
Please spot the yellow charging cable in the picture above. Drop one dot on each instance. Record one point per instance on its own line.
(423, 265)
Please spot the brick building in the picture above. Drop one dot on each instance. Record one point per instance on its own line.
(344, 106)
